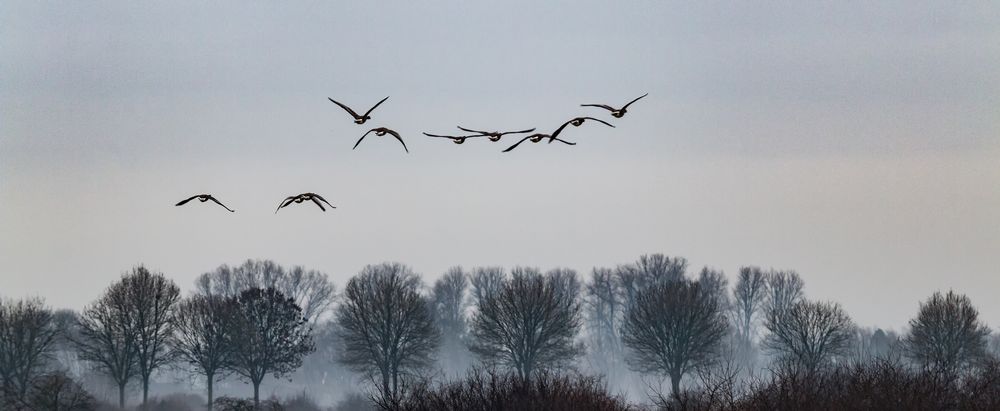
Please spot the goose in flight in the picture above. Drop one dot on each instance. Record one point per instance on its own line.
(534, 138)
(358, 119)
(576, 122)
(316, 198)
(454, 139)
(203, 198)
(381, 131)
(616, 113)
(494, 135)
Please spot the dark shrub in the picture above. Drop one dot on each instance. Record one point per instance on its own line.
(501, 392)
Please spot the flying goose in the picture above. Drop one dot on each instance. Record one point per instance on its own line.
(576, 122)
(316, 198)
(616, 113)
(381, 131)
(494, 135)
(203, 198)
(536, 138)
(454, 139)
(358, 119)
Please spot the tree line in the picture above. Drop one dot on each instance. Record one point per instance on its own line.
(653, 316)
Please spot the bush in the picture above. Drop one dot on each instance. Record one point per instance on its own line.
(244, 404)
(53, 391)
(875, 385)
(492, 391)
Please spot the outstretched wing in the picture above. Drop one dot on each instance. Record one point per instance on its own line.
(563, 141)
(604, 106)
(185, 201)
(559, 130)
(322, 199)
(223, 205)
(633, 101)
(599, 121)
(438, 135)
(376, 105)
(395, 134)
(471, 130)
(284, 203)
(517, 132)
(516, 144)
(353, 114)
(362, 138)
(318, 204)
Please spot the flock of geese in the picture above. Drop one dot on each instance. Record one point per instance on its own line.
(493, 136)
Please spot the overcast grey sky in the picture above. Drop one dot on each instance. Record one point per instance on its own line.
(856, 143)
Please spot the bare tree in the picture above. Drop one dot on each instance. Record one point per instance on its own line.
(530, 323)
(108, 337)
(267, 335)
(674, 328)
(448, 296)
(387, 328)
(604, 310)
(27, 336)
(58, 392)
(749, 297)
(784, 290)
(808, 334)
(486, 281)
(311, 290)
(649, 270)
(154, 298)
(201, 336)
(947, 334)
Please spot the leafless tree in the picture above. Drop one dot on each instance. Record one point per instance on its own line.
(749, 297)
(267, 335)
(311, 290)
(387, 328)
(201, 336)
(947, 334)
(530, 324)
(108, 337)
(715, 283)
(27, 336)
(604, 310)
(58, 392)
(154, 299)
(448, 297)
(674, 328)
(784, 290)
(486, 281)
(807, 335)
(649, 270)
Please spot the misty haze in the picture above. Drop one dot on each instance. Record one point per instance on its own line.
(519, 205)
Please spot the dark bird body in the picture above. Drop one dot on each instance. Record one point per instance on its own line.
(576, 122)
(454, 139)
(615, 112)
(358, 119)
(381, 131)
(494, 135)
(203, 198)
(534, 138)
(315, 198)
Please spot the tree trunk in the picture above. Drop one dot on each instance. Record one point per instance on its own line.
(256, 394)
(145, 390)
(675, 383)
(210, 378)
(121, 395)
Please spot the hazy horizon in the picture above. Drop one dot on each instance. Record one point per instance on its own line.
(855, 144)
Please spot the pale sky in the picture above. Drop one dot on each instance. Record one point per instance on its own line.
(856, 143)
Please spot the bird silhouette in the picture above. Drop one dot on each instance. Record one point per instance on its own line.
(534, 138)
(358, 119)
(616, 113)
(381, 131)
(494, 135)
(203, 198)
(454, 139)
(316, 198)
(576, 122)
